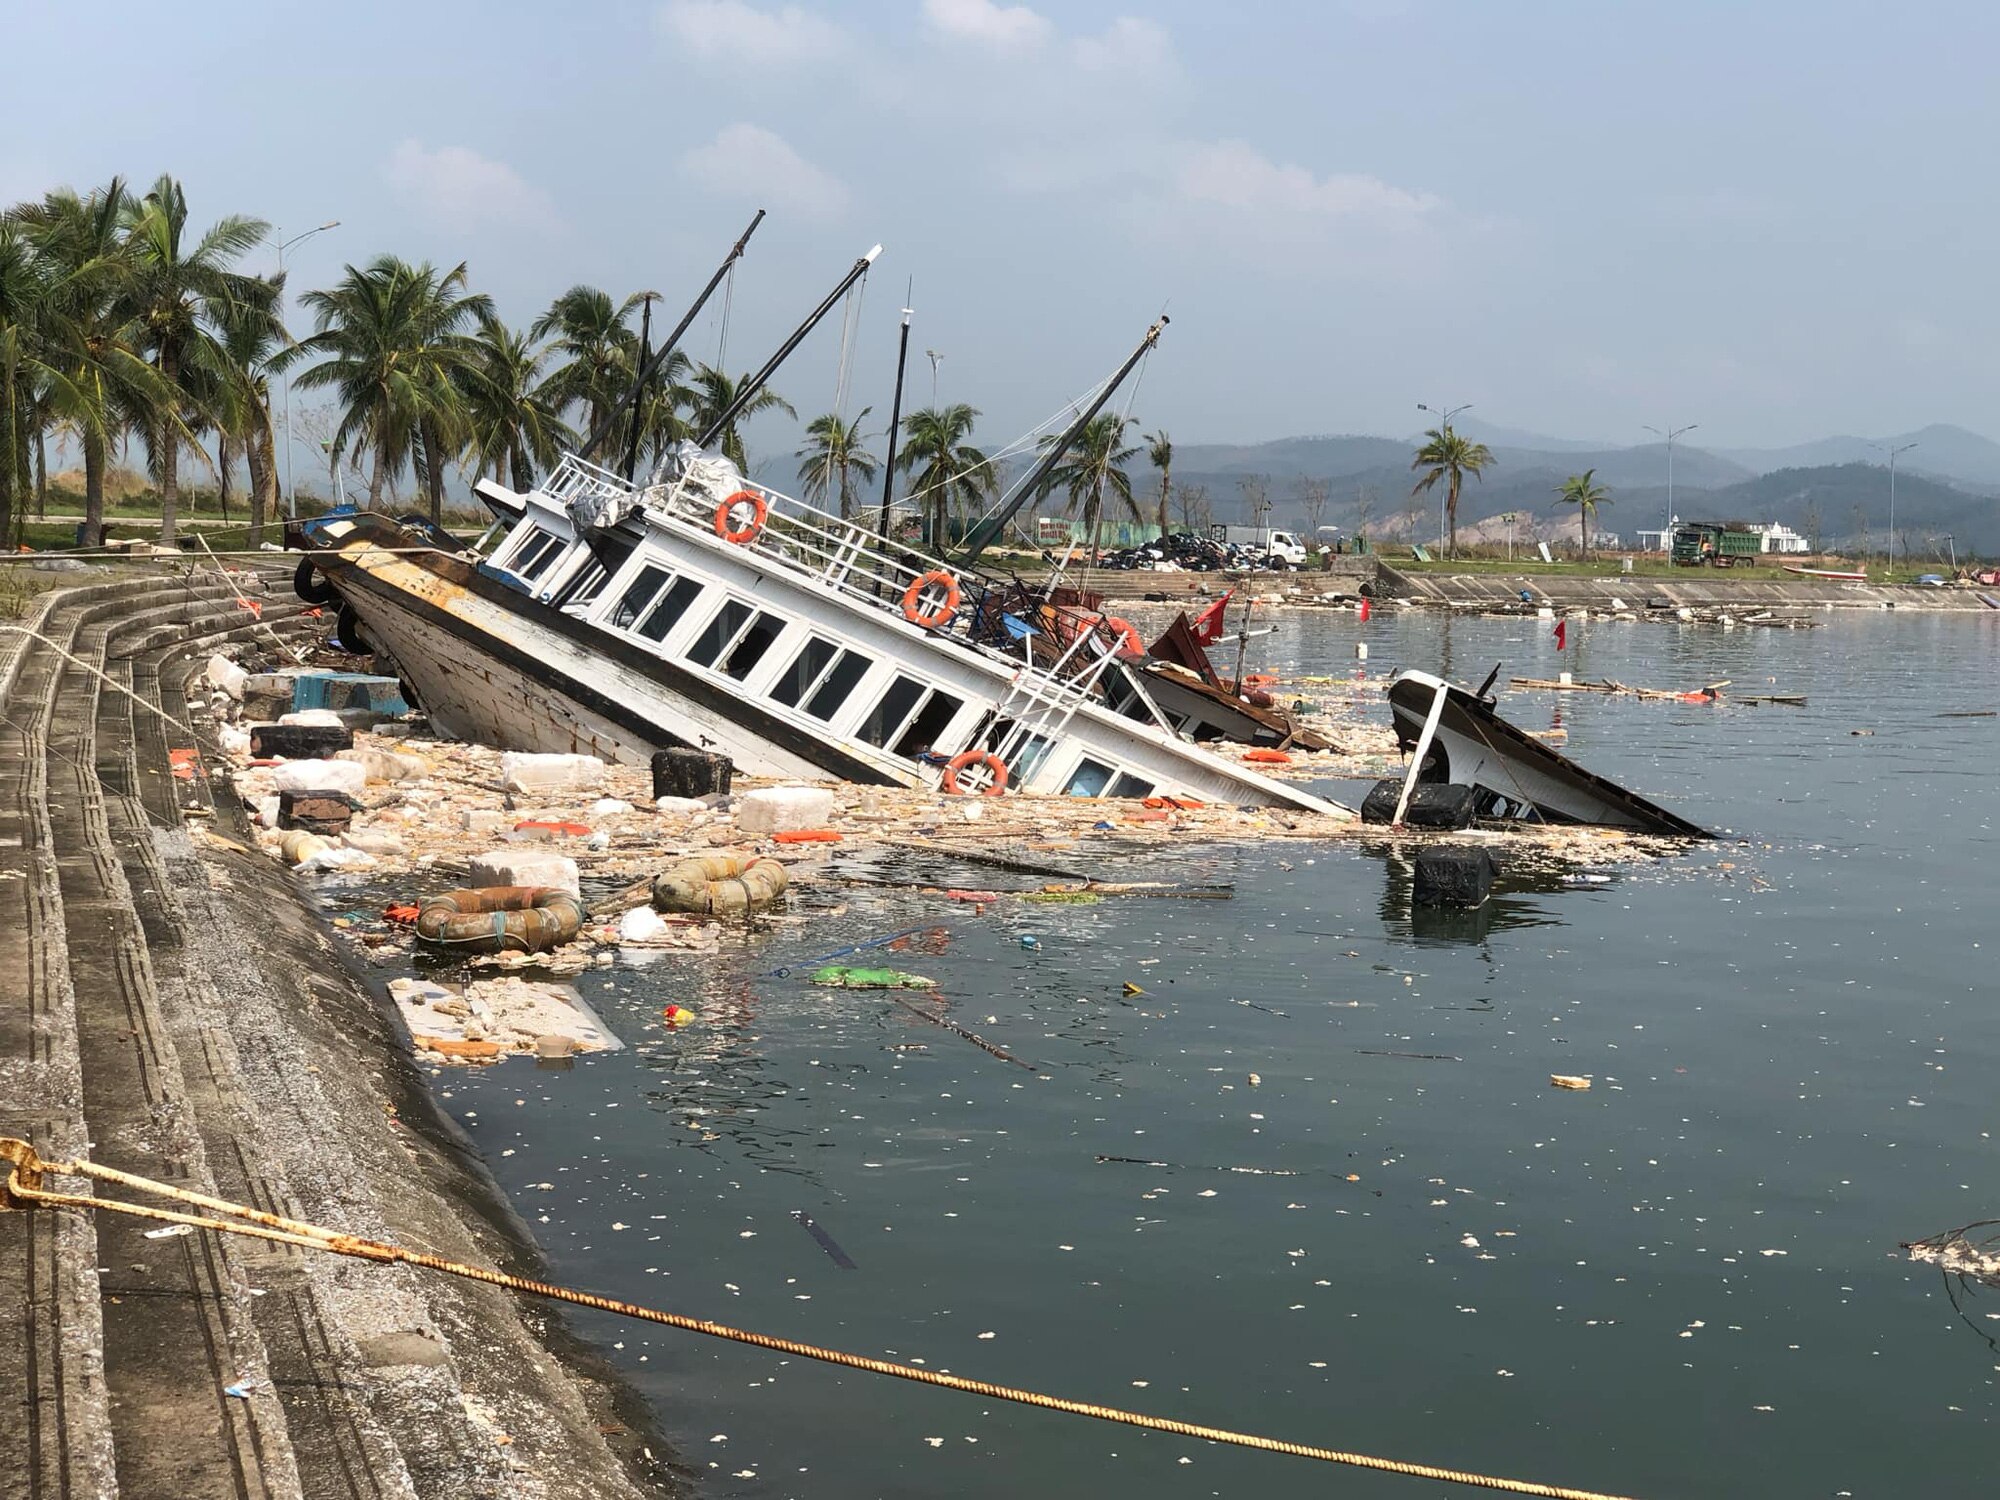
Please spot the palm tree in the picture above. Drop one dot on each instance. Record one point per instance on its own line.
(663, 406)
(1096, 462)
(1445, 455)
(179, 293)
(714, 393)
(1586, 494)
(947, 471)
(254, 347)
(514, 421)
(834, 458)
(1160, 454)
(599, 352)
(81, 330)
(395, 343)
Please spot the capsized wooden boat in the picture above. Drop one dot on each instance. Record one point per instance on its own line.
(1458, 736)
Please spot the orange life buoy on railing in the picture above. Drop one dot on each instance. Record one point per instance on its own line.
(978, 766)
(1129, 643)
(928, 586)
(725, 526)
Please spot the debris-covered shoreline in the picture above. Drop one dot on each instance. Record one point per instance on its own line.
(419, 816)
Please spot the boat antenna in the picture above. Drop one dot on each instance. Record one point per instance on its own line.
(639, 406)
(756, 383)
(895, 415)
(982, 536)
(652, 366)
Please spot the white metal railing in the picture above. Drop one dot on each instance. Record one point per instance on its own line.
(853, 559)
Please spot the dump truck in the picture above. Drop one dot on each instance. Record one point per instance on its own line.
(1711, 544)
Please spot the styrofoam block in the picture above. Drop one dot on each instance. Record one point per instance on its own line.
(525, 866)
(226, 675)
(325, 718)
(782, 809)
(320, 776)
(524, 772)
(385, 765)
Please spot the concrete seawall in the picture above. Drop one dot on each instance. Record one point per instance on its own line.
(1699, 588)
(168, 1006)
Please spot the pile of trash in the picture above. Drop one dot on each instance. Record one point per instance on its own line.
(1186, 552)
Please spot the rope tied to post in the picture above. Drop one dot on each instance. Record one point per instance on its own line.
(25, 1189)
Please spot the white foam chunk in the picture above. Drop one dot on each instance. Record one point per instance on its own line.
(784, 809)
(522, 772)
(320, 776)
(525, 866)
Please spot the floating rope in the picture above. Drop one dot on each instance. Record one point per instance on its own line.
(24, 1189)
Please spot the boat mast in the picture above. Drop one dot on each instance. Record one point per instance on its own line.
(652, 366)
(895, 422)
(757, 382)
(983, 535)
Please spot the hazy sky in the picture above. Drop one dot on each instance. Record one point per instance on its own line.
(1773, 219)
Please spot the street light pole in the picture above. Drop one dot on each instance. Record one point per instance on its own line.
(1892, 451)
(1444, 426)
(284, 309)
(1667, 533)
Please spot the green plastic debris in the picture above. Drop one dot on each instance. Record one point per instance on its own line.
(842, 976)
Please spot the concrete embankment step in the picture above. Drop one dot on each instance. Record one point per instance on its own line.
(182, 1017)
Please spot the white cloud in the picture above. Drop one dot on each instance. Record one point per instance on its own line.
(1233, 175)
(1003, 28)
(730, 31)
(1128, 45)
(455, 187)
(747, 161)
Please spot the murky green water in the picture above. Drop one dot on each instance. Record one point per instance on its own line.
(1683, 1282)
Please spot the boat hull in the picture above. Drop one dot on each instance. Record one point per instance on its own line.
(1474, 746)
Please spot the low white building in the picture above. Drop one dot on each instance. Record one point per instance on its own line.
(1779, 537)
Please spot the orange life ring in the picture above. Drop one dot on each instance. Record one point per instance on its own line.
(759, 510)
(993, 765)
(913, 600)
(1129, 644)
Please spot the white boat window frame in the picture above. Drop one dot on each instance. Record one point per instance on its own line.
(530, 557)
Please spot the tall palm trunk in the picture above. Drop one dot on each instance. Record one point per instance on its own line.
(223, 459)
(1451, 514)
(430, 475)
(259, 452)
(10, 430)
(170, 455)
(1583, 525)
(41, 472)
(93, 486)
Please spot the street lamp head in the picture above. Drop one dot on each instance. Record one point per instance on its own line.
(329, 224)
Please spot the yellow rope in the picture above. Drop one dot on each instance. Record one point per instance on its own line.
(23, 1188)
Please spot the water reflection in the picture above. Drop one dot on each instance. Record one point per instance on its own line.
(1511, 905)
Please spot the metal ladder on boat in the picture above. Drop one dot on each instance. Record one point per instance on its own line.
(1041, 703)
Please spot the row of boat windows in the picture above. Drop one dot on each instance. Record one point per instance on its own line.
(905, 719)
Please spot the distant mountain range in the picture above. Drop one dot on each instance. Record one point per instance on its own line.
(1835, 487)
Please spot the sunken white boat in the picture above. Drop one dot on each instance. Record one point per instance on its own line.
(706, 610)
(1453, 734)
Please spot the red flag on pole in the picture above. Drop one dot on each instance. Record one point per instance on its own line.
(1363, 612)
(1208, 624)
(1561, 631)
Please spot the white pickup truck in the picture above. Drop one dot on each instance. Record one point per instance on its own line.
(1283, 544)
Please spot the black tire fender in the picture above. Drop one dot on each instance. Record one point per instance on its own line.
(309, 586)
